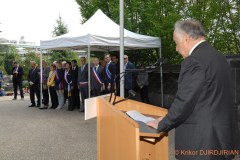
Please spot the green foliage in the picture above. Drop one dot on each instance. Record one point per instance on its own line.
(25, 63)
(10, 56)
(62, 56)
(60, 28)
(157, 17)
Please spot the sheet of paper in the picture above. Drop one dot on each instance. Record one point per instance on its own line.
(139, 117)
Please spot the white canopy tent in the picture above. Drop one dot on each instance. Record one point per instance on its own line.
(100, 33)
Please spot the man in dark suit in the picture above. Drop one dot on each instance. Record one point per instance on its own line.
(115, 60)
(83, 81)
(130, 77)
(97, 73)
(110, 73)
(75, 96)
(34, 83)
(203, 111)
(45, 93)
(17, 73)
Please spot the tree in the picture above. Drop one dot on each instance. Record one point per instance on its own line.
(10, 56)
(26, 63)
(157, 18)
(60, 29)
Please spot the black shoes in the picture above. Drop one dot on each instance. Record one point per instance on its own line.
(31, 106)
(22, 98)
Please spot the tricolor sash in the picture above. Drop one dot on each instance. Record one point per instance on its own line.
(68, 83)
(108, 72)
(83, 83)
(96, 75)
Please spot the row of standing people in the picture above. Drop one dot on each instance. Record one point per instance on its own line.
(65, 80)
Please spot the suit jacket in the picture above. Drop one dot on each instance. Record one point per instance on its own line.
(45, 74)
(112, 68)
(203, 111)
(94, 83)
(129, 78)
(75, 76)
(34, 76)
(59, 79)
(83, 75)
(17, 77)
(69, 78)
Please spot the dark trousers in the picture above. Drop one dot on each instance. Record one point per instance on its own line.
(65, 94)
(15, 86)
(96, 92)
(84, 95)
(35, 89)
(126, 94)
(45, 97)
(144, 94)
(70, 100)
(75, 97)
(106, 91)
(53, 95)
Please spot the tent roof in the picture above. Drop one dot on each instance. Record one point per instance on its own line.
(102, 34)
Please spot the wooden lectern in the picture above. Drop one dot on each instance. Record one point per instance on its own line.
(119, 137)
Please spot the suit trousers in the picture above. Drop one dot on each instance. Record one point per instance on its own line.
(96, 92)
(45, 97)
(70, 100)
(54, 98)
(84, 94)
(144, 94)
(76, 98)
(35, 89)
(15, 86)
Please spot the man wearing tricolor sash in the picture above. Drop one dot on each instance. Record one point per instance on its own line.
(110, 73)
(83, 81)
(68, 84)
(97, 74)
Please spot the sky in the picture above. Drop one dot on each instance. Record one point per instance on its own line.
(35, 19)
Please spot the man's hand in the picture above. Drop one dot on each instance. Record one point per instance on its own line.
(109, 87)
(31, 83)
(154, 123)
(103, 87)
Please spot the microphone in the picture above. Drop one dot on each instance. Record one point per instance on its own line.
(131, 93)
(158, 63)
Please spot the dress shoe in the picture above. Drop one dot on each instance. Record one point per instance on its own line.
(31, 106)
(43, 107)
(14, 99)
(81, 110)
(58, 108)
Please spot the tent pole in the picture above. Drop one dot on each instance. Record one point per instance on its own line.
(41, 78)
(121, 6)
(89, 83)
(161, 75)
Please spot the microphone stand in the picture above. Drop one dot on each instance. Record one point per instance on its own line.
(157, 64)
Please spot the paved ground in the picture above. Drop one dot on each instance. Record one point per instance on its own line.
(33, 134)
